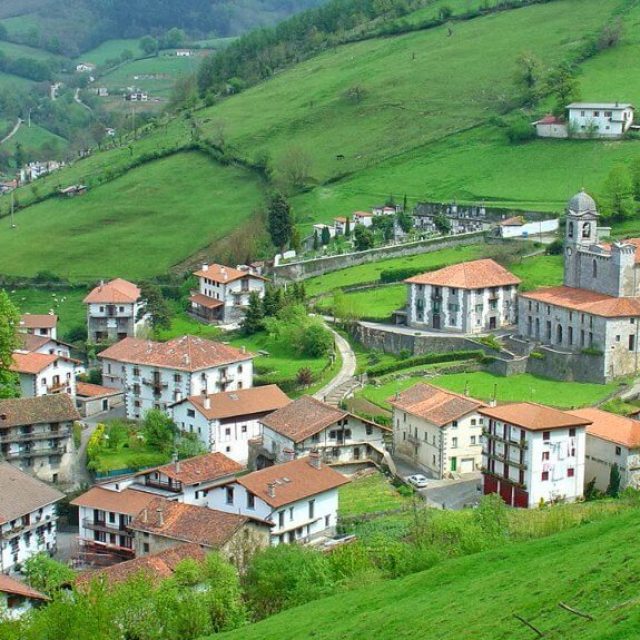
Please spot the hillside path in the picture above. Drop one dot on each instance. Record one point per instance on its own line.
(12, 132)
(344, 382)
(76, 97)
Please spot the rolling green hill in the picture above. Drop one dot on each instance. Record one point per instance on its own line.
(424, 120)
(592, 569)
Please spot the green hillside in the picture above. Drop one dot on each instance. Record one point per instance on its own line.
(592, 569)
(424, 122)
(139, 225)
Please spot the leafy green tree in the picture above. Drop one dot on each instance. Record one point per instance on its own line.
(279, 221)
(442, 224)
(404, 220)
(189, 445)
(491, 516)
(272, 301)
(9, 322)
(385, 226)
(616, 201)
(634, 169)
(347, 229)
(254, 315)
(362, 238)
(326, 235)
(613, 489)
(528, 77)
(156, 306)
(564, 86)
(159, 430)
(148, 45)
(47, 575)
(316, 341)
(295, 243)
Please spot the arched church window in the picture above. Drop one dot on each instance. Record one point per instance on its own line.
(595, 268)
(586, 230)
(570, 230)
(559, 334)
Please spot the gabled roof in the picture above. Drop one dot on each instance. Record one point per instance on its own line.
(302, 418)
(199, 469)
(340, 219)
(87, 390)
(155, 567)
(205, 301)
(223, 274)
(514, 221)
(243, 402)
(38, 321)
(599, 105)
(188, 523)
(16, 412)
(436, 405)
(362, 214)
(633, 241)
(295, 480)
(476, 274)
(31, 362)
(128, 501)
(114, 292)
(187, 353)
(550, 119)
(15, 587)
(534, 417)
(597, 304)
(21, 493)
(611, 427)
(31, 342)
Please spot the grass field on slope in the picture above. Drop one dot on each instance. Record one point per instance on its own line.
(592, 568)
(12, 50)
(33, 137)
(110, 49)
(136, 226)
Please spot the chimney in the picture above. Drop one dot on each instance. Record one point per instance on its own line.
(205, 267)
(176, 462)
(243, 349)
(206, 402)
(288, 454)
(271, 489)
(145, 515)
(160, 513)
(314, 459)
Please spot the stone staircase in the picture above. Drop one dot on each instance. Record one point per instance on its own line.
(342, 391)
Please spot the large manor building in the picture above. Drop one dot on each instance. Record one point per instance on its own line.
(596, 311)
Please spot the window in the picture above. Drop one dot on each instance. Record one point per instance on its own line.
(136, 371)
(281, 519)
(327, 521)
(632, 342)
(369, 429)
(454, 423)
(121, 309)
(454, 443)
(618, 451)
(251, 501)
(227, 432)
(177, 377)
(315, 437)
(545, 476)
(229, 495)
(347, 434)
(545, 455)
(572, 432)
(243, 428)
(145, 547)
(473, 422)
(594, 269)
(332, 435)
(291, 514)
(473, 439)
(571, 472)
(312, 509)
(596, 114)
(191, 413)
(546, 435)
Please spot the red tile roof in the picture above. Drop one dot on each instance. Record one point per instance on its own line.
(189, 523)
(128, 501)
(514, 221)
(31, 342)
(549, 119)
(38, 321)
(114, 292)
(58, 407)
(155, 567)
(303, 417)
(205, 301)
(436, 405)
(362, 214)
(477, 274)
(31, 362)
(88, 390)
(597, 304)
(634, 241)
(9, 585)
(611, 427)
(243, 402)
(295, 480)
(223, 274)
(534, 417)
(198, 469)
(188, 353)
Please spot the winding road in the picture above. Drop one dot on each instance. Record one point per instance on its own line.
(12, 132)
(344, 382)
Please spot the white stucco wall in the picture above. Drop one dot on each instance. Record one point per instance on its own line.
(602, 455)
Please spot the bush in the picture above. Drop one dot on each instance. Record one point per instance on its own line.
(429, 358)
(520, 130)
(555, 248)
(402, 273)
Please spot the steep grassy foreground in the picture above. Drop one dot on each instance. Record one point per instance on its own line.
(593, 569)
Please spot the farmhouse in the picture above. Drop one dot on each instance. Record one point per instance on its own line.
(104, 515)
(611, 439)
(551, 127)
(299, 497)
(363, 217)
(319, 228)
(386, 209)
(115, 310)
(94, 398)
(223, 293)
(44, 373)
(533, 454)
(226, 421)
(28, 517)
(31, 343)
(598, 306)
(16, 598)
(184, 53)
(39, 324)
(83, 67)
(339, 225)
(163, 525)
(469, 297)
(439, 430)
(155, 375)
(36, 435)
(518, 227)
(588, 120)
(308, 425)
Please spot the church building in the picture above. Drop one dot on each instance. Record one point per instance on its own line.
(596, 312)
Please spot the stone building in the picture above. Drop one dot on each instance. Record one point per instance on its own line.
(469, 297)
(463, 219)
(596, 311)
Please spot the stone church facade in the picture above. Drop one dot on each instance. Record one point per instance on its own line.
(596, 312)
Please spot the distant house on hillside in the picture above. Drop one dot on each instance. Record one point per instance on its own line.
(518, 227)
(102, 92)
(588, 120)
(137, 96)
(184, 53)
(73, 190)
(84, 67)
(551, 127)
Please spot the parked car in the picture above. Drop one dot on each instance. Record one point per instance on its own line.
(418, 481)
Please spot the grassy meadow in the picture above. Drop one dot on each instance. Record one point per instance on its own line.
(137, 226)
(110, 49)
(369, 493)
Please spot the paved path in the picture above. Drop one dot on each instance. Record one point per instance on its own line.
(76, 97)
(12, 132)
(344, 383)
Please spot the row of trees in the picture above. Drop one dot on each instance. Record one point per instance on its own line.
(619, 198)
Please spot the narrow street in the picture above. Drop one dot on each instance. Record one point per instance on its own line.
(344, 382)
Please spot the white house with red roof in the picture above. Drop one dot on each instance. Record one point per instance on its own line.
(464, 298)
(438, 430)
(299, 497)
(533, 454)
(362, 217)
(115, 310)
(16, 598)
(597, 308)
(155, 375)
(44, 373)
(223, 293)
(43, 325)
(226, 421)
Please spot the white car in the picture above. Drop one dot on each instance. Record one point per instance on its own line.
(418, 481)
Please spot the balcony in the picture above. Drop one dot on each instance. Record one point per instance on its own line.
(37, 435)
(103, 525)
(58, 387)
(175, 487)
(413, 439)
(34, 452)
